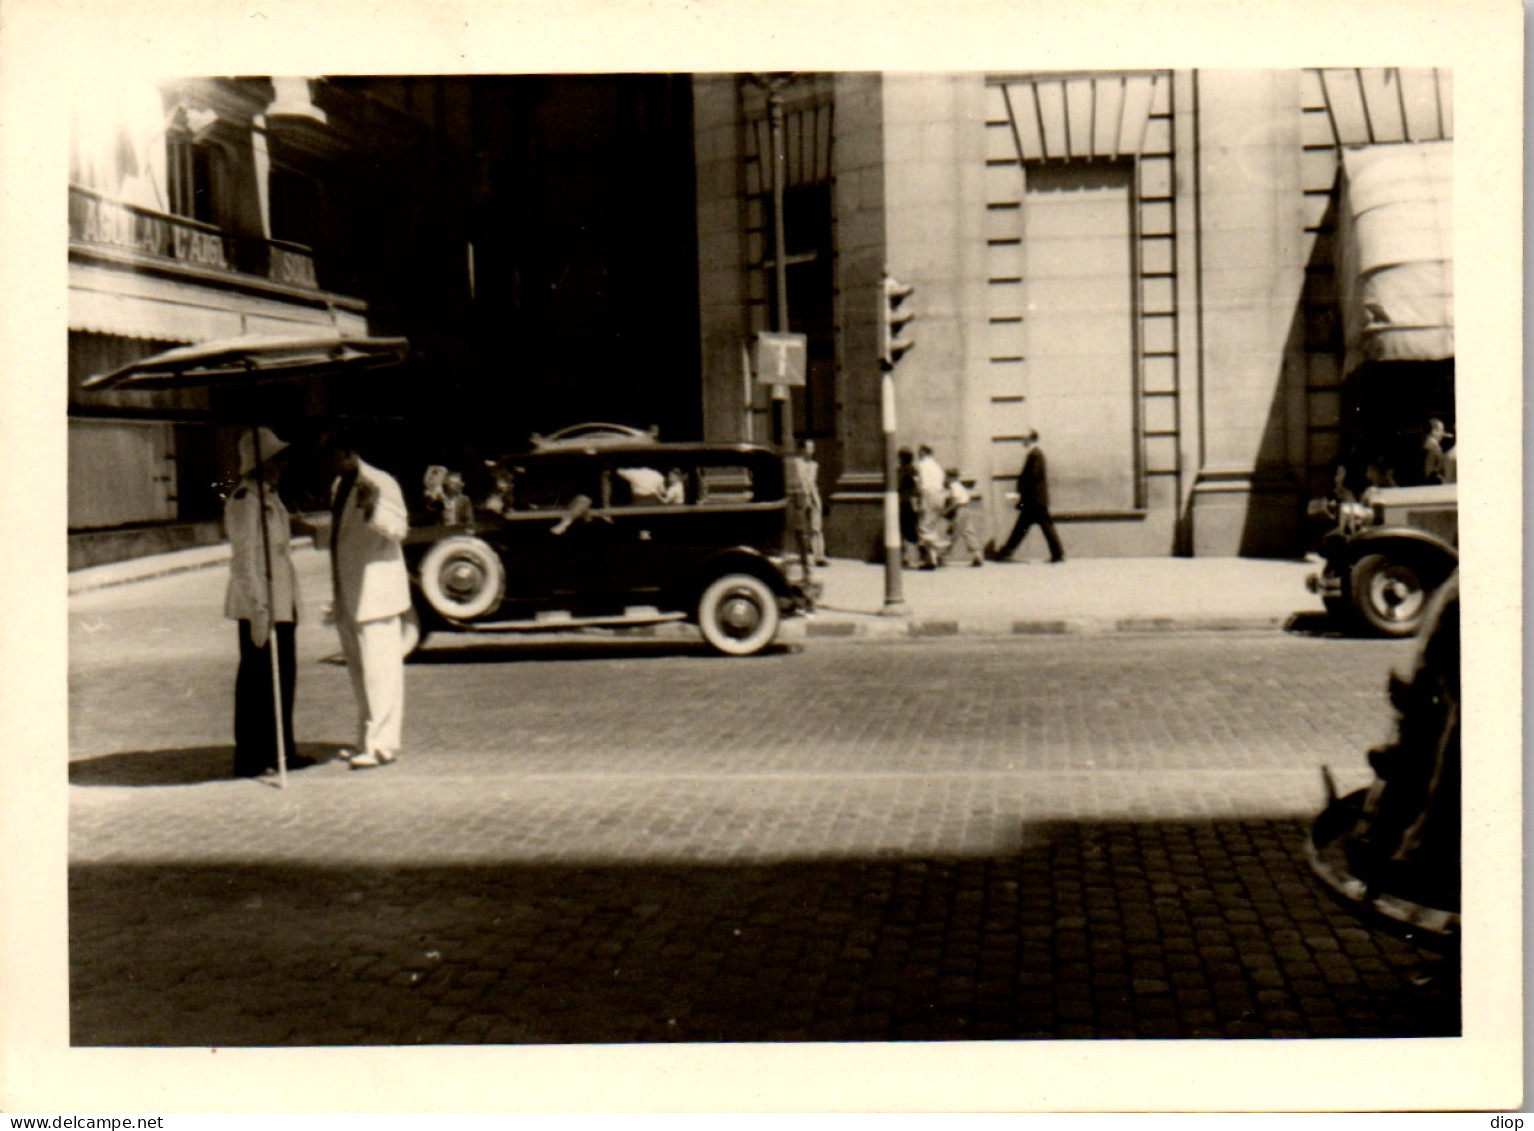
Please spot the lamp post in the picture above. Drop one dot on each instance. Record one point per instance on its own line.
(775, 83)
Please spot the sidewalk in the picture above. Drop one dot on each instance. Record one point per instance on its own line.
(1083, 596)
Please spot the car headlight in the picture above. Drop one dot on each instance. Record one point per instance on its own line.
(1356, 513)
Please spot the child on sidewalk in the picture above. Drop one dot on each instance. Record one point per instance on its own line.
(961, 521)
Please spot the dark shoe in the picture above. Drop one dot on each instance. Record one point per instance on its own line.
(976, 564)
(1056, 561)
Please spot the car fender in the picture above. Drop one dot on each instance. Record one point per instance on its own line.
(1402, 539)
(738, 559)
(1402, 543)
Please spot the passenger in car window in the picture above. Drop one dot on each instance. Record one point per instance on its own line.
(502, 493)
(432, 492)
(457, 510)
(579, 508)
(675, 491)
(646, 485)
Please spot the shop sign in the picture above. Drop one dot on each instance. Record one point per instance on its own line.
(112, 224)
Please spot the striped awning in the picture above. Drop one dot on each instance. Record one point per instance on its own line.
(149, 308)
(1396, 228)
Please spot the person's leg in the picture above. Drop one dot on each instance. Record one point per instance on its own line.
(351, 648)
(818, 536)
(383, 669)
(969, 538)
(253, 741)
(288, 672)
(1047, 525)
(929, 530)
(1020, 530)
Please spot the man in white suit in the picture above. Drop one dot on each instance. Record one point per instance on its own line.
(372, 592)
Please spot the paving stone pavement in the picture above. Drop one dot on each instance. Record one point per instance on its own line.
(859, 840)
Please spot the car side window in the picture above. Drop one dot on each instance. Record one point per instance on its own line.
(551, 486)
(721, 486)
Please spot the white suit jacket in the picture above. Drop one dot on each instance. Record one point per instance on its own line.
(366, 554)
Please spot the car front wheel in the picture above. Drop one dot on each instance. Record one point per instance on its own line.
(462, 578)
(1389, 596)
(738, 614)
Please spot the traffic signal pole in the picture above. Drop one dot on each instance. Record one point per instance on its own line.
(892, 346)
(894, 552)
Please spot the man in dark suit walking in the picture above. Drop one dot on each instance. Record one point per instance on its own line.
(1032, 503)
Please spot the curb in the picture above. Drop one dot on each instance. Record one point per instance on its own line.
(876, 627)
(148, 569)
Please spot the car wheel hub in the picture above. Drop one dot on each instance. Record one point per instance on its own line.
(1397, 597)
(739, 615)
(462, 580)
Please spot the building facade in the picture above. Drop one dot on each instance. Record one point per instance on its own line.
(532, 236)
(1204, 289)
(191, 211)
(1172, 276)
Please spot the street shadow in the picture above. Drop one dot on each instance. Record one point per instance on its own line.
(191, 765)
(1071, 931)
(469, 651)
(1307, 376)
(1318, 624)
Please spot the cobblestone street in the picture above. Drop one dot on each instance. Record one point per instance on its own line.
(629, 841)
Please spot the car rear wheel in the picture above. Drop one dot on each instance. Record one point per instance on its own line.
(462, 578)
(738, 614)
(1389, 596)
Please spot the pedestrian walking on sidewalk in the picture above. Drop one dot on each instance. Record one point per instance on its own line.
(1032, 503)
(804, 496)
(962, 522)
(267, 610)
(908, 492)
(931, 482)
(372, 594)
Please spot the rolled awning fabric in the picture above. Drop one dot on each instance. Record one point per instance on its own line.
(1396, 241)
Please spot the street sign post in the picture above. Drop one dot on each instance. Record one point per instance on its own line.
(780, 358)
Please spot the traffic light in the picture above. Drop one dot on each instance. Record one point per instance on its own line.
(893, 322)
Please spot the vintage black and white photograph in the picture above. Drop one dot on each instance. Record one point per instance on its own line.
(905, 559)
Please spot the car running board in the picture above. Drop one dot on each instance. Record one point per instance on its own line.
(547, 622)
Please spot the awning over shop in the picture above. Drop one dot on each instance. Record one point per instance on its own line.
(148, 308)
(255, 358)
(226, 380)
(1396, 250)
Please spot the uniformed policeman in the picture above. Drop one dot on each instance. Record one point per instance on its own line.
(263, 598)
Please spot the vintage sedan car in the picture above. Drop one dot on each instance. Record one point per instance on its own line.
(611, 528)
(1387, 556)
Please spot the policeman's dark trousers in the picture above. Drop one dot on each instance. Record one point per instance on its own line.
(1027, 517)
(255, 731)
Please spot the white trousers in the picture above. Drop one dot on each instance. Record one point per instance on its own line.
(375, 659)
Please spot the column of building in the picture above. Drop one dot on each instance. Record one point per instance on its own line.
(1251, 273)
